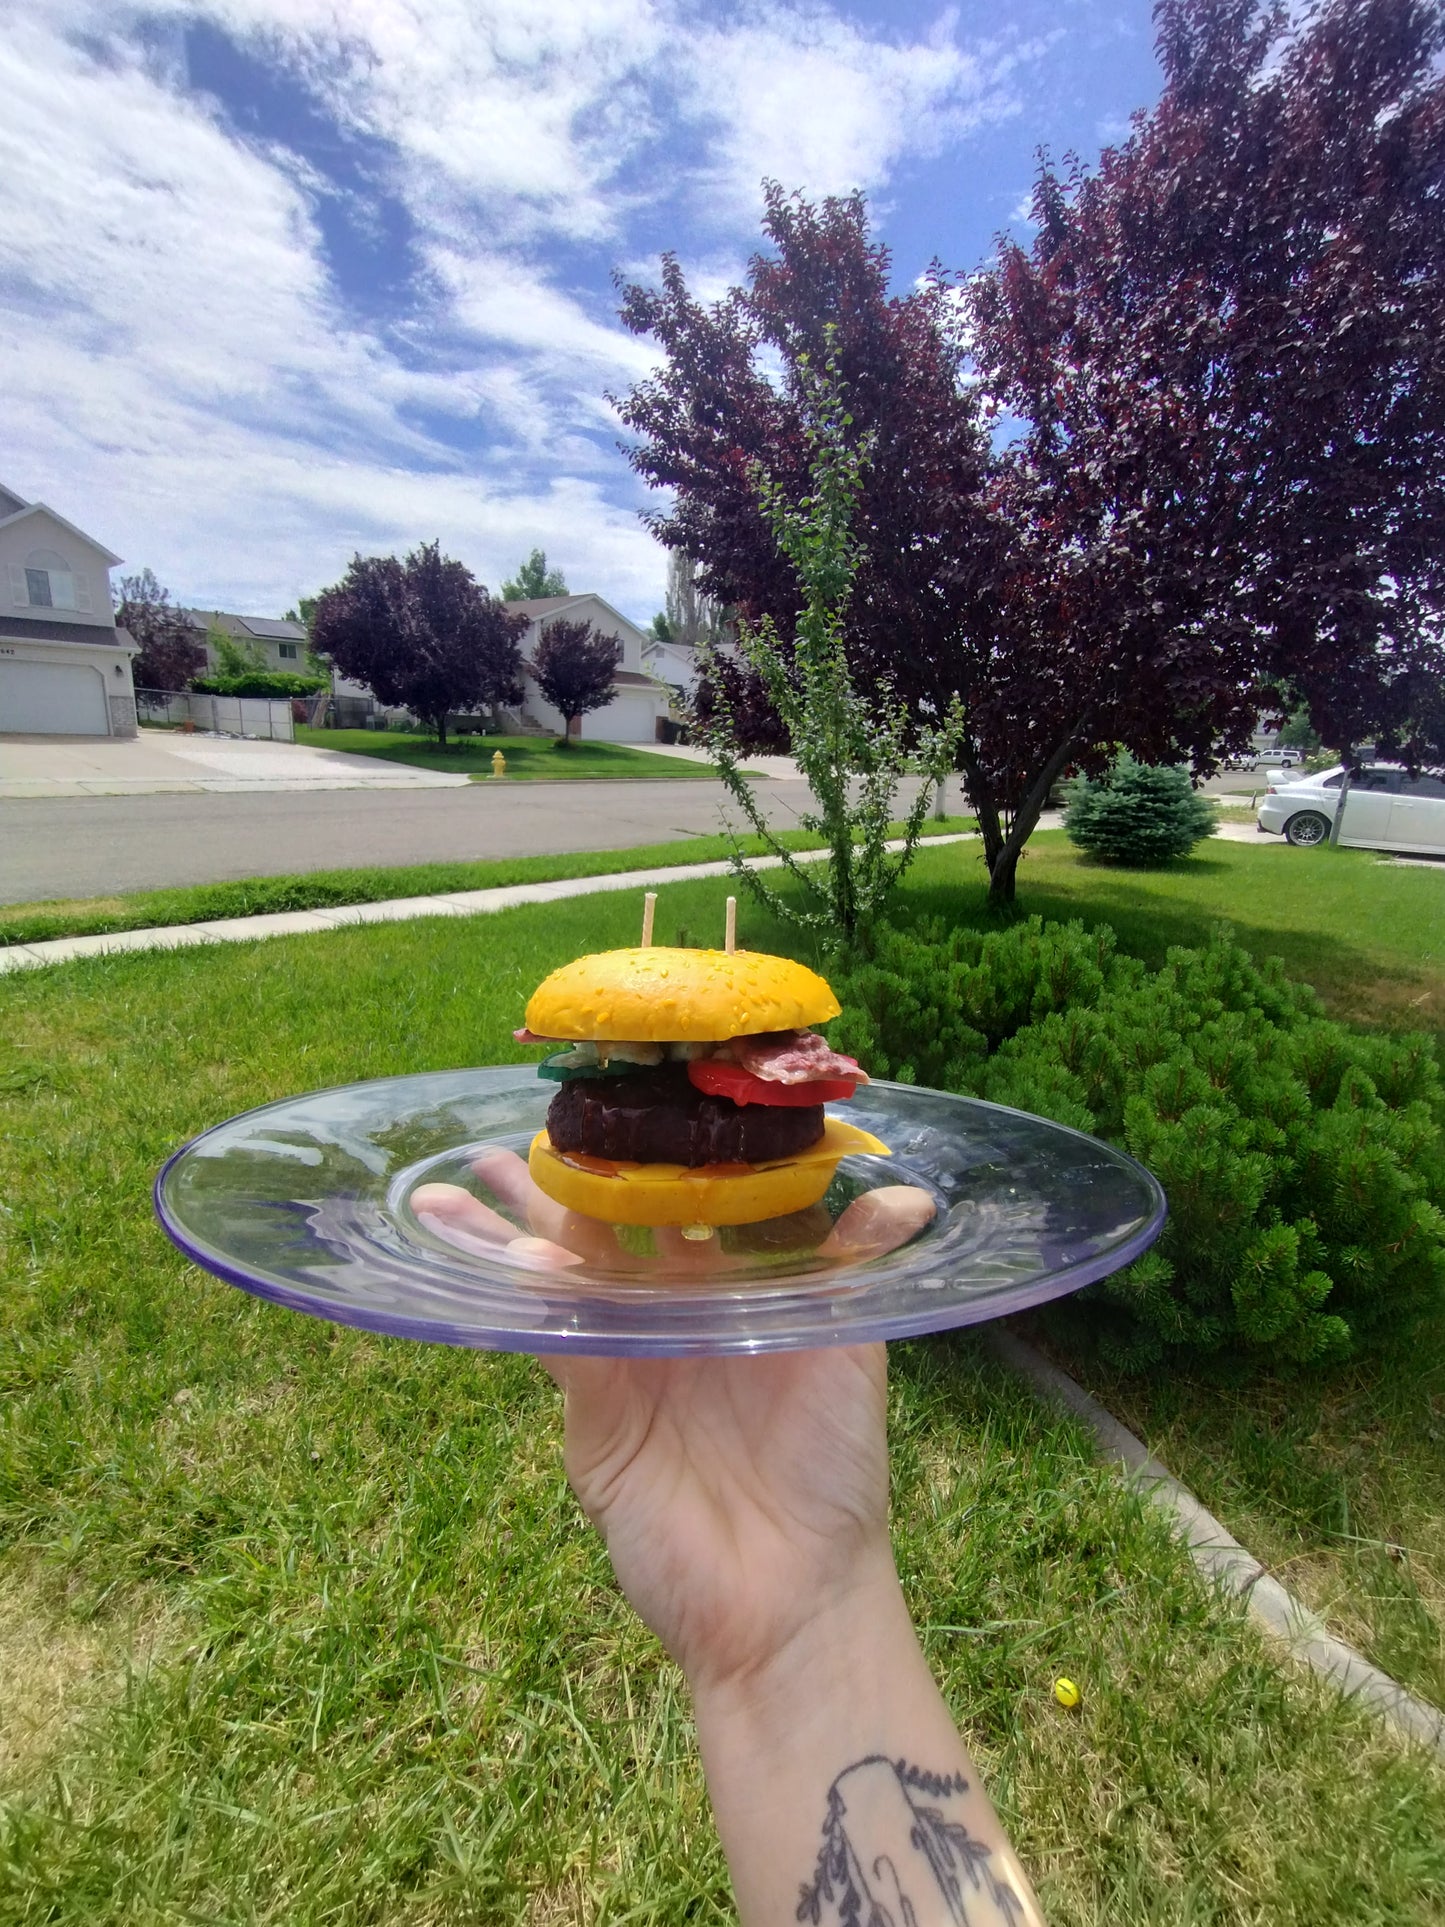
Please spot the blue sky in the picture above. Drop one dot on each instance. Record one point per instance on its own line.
(284, 279)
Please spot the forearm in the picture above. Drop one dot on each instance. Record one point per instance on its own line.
(837, 1771)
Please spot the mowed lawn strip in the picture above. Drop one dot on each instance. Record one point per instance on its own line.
(529, 758)
(381, 1671)
(40, 921)
(1337, 1484)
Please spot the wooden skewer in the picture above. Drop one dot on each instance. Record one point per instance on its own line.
(731, 942)
(649, 904)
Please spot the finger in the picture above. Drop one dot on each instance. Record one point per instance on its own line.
(541, 1254)
(505, 1173)
(879, 1222)
(455, 1206)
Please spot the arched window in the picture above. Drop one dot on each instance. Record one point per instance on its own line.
(49, 582)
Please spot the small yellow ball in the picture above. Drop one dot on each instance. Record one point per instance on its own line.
(1066, 1693)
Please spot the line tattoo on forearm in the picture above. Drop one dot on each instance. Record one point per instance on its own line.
(892, 1857)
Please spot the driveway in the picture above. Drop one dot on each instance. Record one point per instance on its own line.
(161, 761)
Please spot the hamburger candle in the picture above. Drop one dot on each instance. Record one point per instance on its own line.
(691, 1087)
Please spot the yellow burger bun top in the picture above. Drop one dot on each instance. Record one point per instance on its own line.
(660, 995)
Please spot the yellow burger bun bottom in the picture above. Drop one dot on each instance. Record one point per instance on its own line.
(711, 1194)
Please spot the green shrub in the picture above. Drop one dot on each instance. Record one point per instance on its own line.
(259, 682)
(1304, 1162)
(1140, 814)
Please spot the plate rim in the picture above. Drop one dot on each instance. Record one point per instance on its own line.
(905, 1323)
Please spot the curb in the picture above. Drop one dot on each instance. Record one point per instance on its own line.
(463, 903)
(1220, 1557)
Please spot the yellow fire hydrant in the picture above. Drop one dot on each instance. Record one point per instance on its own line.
(499, 763)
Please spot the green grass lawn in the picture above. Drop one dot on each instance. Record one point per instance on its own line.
(323, 889)
(302, 1626)
(529, 758)
(1369, 935)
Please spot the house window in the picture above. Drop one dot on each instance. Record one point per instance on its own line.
(286, 651)
(49, 582)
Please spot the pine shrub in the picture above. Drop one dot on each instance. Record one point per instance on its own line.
(1140, 814)
(1304, 1162)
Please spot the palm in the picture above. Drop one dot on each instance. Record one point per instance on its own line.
(735, 1494)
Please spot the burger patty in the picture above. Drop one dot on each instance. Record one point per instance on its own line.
(660, 1117)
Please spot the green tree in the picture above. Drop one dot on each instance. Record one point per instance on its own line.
(534, 579)
(305, 613)
(234, 655)
(691, 617)
(850, 743)
(1298, 732)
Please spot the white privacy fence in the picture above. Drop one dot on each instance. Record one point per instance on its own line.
(264, 716)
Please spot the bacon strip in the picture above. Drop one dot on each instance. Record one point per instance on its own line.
(777, 1056)
(791, 1057)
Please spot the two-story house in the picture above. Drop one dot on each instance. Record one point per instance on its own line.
(64, 666)
(282, 644)
(638, 703)
(674, 663)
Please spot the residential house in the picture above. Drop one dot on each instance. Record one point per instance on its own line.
(281, 643)
(673, 663)
(638, 703)
(65, 668)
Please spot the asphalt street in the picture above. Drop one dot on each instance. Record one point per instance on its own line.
(89, 846)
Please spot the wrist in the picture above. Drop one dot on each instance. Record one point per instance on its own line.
(842, 1645)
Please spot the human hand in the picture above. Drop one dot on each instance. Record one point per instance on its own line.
(743, 1500)
(871, 1226)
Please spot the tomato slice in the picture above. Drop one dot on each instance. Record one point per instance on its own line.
(731, 1080)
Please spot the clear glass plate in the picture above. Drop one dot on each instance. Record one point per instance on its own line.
(306, 1202)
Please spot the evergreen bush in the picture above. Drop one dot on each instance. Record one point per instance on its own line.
(1140, 814)
(1304, 1162)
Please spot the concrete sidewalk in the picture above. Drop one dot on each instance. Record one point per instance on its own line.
(165, 761)
(292, 923)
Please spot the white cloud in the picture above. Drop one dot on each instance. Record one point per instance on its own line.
(807, 97)
(182, 374)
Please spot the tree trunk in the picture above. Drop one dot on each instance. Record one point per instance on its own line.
(441, 723)
(1338, 821)
(980, 801)
(1003, 870)
(1003, 877)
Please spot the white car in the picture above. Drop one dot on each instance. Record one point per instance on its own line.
(1264, 759)
(1386, 810)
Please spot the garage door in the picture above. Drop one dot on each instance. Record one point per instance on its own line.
(626, 719)
(52, 699)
